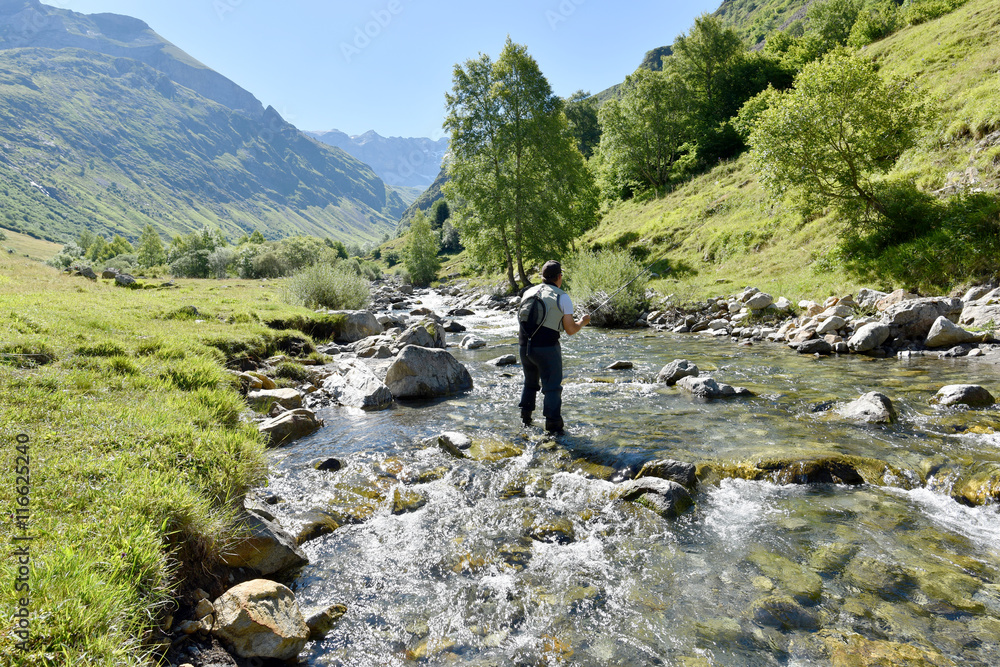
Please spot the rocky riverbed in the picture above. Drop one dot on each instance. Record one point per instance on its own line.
(821, 510)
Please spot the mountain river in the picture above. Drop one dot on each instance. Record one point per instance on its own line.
(524, 557)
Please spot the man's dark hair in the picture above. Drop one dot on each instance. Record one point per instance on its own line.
(551, 270)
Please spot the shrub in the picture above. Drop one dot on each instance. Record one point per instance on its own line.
(391, 257)
(324, 286)
(594, 277)
(292, 371)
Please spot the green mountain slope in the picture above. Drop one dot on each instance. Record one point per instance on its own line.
(722, 226)
(754, 19)
(110, 143)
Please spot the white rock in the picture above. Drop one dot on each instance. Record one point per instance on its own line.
(261, 619)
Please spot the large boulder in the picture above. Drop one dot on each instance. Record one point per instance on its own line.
(358, 387)
(261, 619)
(420, 372)
(971, 395)
(913, 319)
(665, 497)
(675, 370)
(945, 333)
(984, 311)
(706, 387)
(262, 546)
(425, 334)
(354, 325)
(289, 426)
(873, 407)
(868, 337)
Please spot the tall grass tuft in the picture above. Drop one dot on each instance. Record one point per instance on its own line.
(593, 278)
(336, 287)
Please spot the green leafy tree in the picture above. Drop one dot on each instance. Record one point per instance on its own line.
(87, 239)
(832, 21)
(643, 132)
(701, 59)
(582, 114)
(151, 251)
(439, 213)
(97, 249)
(422, 247)
(515, 165)
(831, 137)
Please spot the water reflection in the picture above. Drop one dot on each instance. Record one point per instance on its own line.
(529, 560)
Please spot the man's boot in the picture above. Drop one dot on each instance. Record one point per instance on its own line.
(554, 426)
(526, 417)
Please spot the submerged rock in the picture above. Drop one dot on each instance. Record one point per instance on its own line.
(783, 613)
(471, 342)
(261, 619)
(873, 407)
(505, 360)
(620, 366)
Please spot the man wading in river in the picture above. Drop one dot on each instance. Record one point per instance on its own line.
(545, 311)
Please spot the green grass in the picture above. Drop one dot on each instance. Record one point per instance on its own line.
(138, 454)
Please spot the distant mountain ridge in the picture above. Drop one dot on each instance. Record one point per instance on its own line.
(106, 126)
(409, 162)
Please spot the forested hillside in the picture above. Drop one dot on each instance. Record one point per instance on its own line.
(723, 225)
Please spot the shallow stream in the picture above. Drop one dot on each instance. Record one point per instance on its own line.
(524, 557)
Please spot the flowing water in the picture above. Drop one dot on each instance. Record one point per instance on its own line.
(525, 558)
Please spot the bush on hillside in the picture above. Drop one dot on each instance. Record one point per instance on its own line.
(336, 287)
(593, 277)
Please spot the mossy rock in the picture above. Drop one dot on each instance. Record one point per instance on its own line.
(980, 486)
(317, 524)
(833, 469)
(874, 575)
(406, 500)
(718, 632)
(797, 580)
(853, 650)
(832, 558)
(552, 529)
(783, 613)
(493, 450)
(414, 475)
(952, 587)
(592, 470)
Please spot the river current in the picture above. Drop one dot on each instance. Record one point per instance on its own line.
(524, 557)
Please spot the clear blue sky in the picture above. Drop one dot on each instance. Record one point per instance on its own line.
(306, 59)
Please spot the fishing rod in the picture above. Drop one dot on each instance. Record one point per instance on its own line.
(596, 308)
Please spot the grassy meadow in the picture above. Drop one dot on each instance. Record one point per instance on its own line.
(138, 453)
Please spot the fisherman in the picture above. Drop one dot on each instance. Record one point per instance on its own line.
(545, 311)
